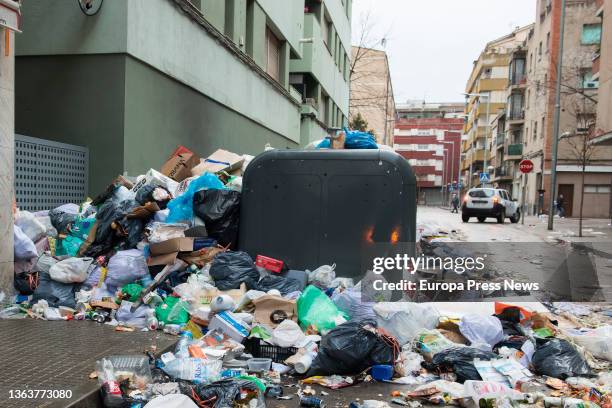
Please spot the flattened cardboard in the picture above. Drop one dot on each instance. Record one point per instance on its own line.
(179, 164)
(180, 244)
(167, 259)
(221, 160)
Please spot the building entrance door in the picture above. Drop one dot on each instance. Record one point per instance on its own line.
(568, 196)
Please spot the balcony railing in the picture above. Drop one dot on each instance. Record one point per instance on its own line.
(518, 79)
(500, 140)
(516, 114)
(515, 149)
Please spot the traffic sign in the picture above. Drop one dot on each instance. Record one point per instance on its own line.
(526, 166)
(485, 178)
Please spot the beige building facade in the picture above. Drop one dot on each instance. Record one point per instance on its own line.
(372, 92)
(9, 21)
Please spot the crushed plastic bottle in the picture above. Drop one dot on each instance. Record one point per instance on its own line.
(110, 386)
(182, 346)
(194, 369)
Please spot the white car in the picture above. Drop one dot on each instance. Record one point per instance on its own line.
(484, 203)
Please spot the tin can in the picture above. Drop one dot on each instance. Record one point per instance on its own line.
(312, 402)
(83, 308)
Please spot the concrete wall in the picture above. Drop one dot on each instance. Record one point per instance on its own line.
(7, 158)
(161, 113)
(596, 205)
(288, 18)
(77, 100)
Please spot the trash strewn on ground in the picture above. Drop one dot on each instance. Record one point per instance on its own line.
(159, 252)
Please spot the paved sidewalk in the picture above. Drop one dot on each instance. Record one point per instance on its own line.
(59, 355)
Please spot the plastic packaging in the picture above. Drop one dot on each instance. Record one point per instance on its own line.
(173, 311)
(597, 341)
(259, 364)
(431, 342)
(316, 309)
(24, 248)
(220, 211)
(323, 276)
(483, 332)
(559, 359)
(194, 369)
(408, 363)
(231, 269)
(126, 267)
(350, 349)
(287, 334)
(109, 383)
(354, 140)
(283, 284)
(30, 225)
(484, 389)
(71, 270)
(405, 320)
(171, 401)
(221, 303)
(181, 350)
(349, 302)
(162, 231)
(181, 208)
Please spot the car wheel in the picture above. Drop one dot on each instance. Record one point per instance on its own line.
(465, 218)
(501, 217)
(516, 217)
(481, 219)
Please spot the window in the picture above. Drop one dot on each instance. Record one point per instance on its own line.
(273, 48)
(543, 127)
(324, 109)
(548, 42)
(587, 80)
(422, 147)
(526, 136)
(591, 34)
(540, 49)
(535, 131)
(326, 33)
(597, 188)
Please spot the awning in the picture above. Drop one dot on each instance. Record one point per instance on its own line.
(9, 15)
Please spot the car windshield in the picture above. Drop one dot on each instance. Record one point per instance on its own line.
(483, 193)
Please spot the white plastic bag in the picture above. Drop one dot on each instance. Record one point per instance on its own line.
(24, 248)
(483, 332)
(71, 270)
(126, 267)
(322, 276)
(349, 301)
(287, 334)
(30, 225)
(405, 320)
(597, 341)
(486, 389)
(171, 401)
(408, 363)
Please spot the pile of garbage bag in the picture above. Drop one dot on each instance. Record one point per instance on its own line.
(159, 253)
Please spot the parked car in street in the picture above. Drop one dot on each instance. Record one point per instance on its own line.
(484, 203)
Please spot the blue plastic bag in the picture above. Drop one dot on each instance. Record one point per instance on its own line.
(354, 140)
(181, 208)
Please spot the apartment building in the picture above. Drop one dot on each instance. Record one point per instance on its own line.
(602, 71)
(432, 147)
(420, 109)
(486, 95)
(139, 77)
(579, 107)
(372, 92)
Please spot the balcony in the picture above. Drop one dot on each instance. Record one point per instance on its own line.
(502, 173)
(499, 140)
(516, 117)
(596, 63)
(519, 81)
(514, 152)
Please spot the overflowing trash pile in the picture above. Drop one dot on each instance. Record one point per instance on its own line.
(159, 252)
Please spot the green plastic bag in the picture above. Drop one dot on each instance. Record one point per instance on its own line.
(132, 291)
(172, 311)
(78, 234)
(316, 309)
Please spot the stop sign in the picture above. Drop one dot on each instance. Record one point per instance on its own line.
(526, 166)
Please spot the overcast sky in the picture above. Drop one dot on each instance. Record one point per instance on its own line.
(432, 43)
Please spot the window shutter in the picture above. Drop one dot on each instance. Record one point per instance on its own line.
(272, 54)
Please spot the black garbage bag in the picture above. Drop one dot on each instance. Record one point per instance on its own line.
(55, 293)
(114, 228)
(227, 392)
(220, 211)
(460, 360)
(230, 269)
(559, 359)
(146, 195)
(61, 220)
(351, 348)
(283, 284)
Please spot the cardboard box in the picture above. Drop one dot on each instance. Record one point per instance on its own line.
(179, 164)
(221, 160)
(228, 324)
(166, 252)
(180, 244)
(337, 141)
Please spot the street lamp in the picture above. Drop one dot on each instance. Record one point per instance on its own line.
(444, 174)
(488, 98)
(557, 120)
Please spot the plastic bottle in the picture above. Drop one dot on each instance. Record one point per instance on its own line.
(182, 346)
(194, 369)
(106, 377)
(151, 321)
